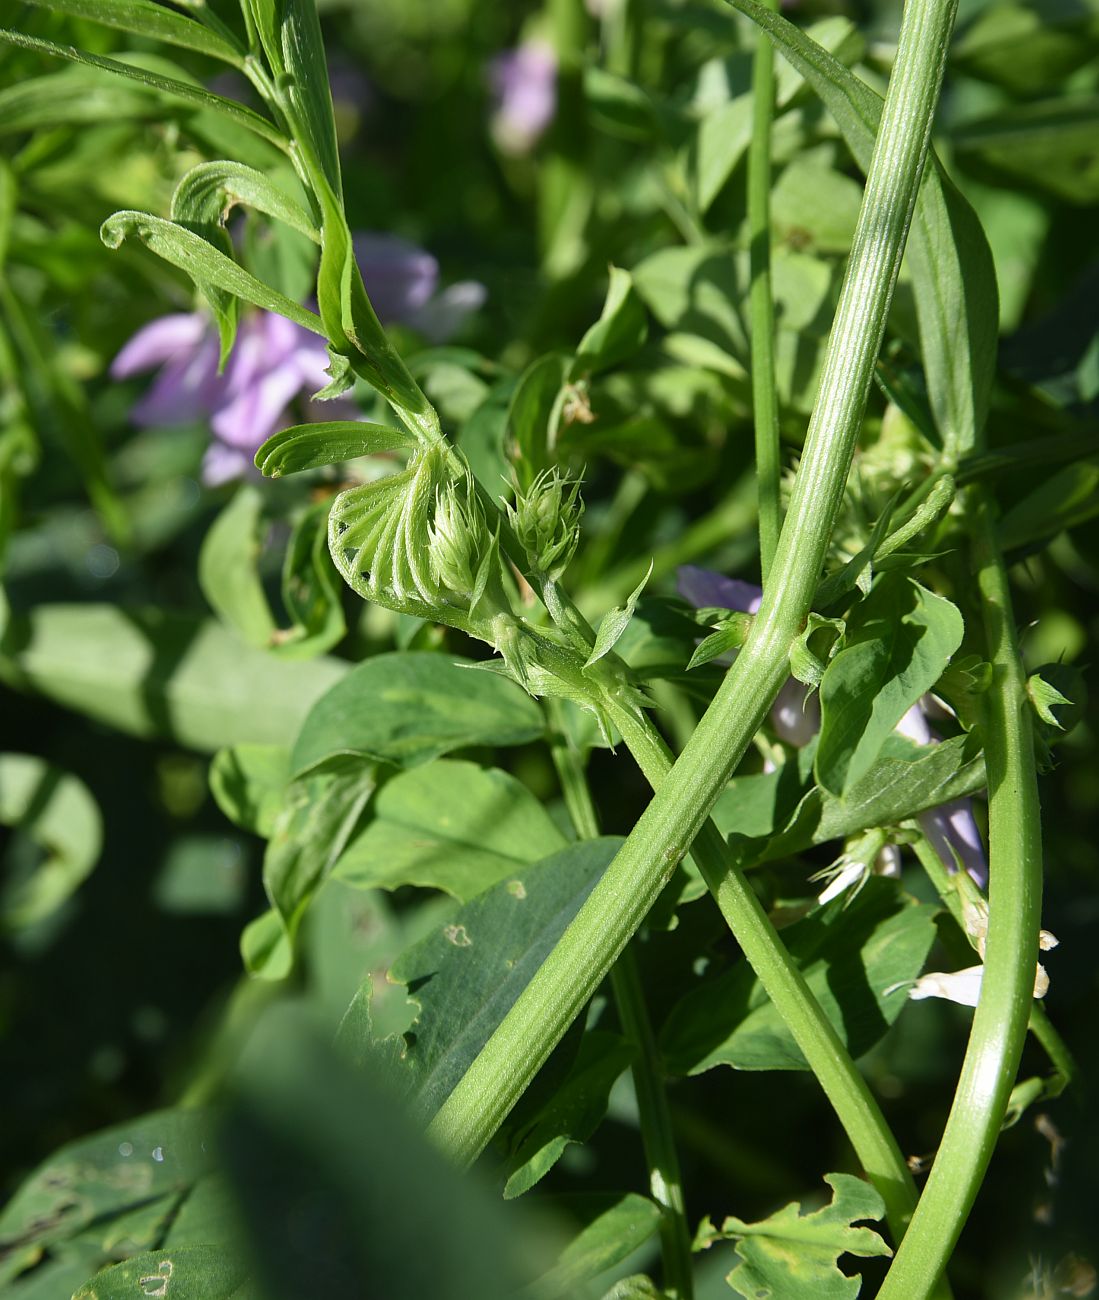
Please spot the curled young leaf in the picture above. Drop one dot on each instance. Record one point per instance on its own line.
(203, 263)
(327, 442)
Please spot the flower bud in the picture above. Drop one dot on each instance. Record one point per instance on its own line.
(546, 521)
(456, 539)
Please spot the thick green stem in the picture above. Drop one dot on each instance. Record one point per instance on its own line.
(1051, 1041)
(821, 1045)
(1015, 893)
(657, 1136)
(764, 398)
(679, 809)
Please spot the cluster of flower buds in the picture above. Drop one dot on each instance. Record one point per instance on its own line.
(546, 522)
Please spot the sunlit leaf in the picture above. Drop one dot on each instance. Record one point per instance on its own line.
(452, 826)
(795, 1255)
(310, 446)
(411, 706)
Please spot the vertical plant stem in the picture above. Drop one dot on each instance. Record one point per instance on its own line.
(761, 304)
(680, 807)
(821, 1045)
(657, 1136)
(1015, 894)
(1051, 1041)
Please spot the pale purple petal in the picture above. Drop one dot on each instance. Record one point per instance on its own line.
(312, 360)
(221, 464)
(442, 317)
(524, 88)
(795, 714)
(399, 277)
(703, 587)
(951, 830)
(251, 416)
(186, 388)
(164, 339)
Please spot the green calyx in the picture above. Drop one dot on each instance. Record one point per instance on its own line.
(546, 521)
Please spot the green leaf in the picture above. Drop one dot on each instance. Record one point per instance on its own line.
(572, 1113)
(412, 706)
(620, 107)
(530, 424)
(202, 203)
(815, 207)
(209, 192)
(698, 291)
(766, 825)
(953, 277)
(853, 958)
(898, 642)
(317, 818)
(353, 328)
(205, 1218)
(290, 33)
(635, 1287)
(620, 331)
(1026, 47)
(615, 621)
(248, 783)
(311, 590)
(725, 130)
(96, 1179)
(1045, 697)
(59, 814)
(728, 637)
(1064, 500)
(795, 1256)
(192, 1273)
(149, 673)
(309, 446)
(228, 573)
(143, 18)
(467, 974)
(452, 826)
(614, 1225)
(1049, 144)
(309, 1141)
(166, 85)
(203, 263)
(73, 96)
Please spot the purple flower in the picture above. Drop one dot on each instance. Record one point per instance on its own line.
(703, 587)
(274, 360)
(951, 829)
(524, 90)
(402, 280)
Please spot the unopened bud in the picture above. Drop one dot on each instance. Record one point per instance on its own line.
(455, 539)
(546, 520)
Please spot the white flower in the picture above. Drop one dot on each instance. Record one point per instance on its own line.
(964, 986)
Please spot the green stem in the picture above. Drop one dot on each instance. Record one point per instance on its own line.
(679, 809)
(665, 1180)
(657, 1136)
(784, 983)
(1015, 892)
(1039, 1024)
(761, 304)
